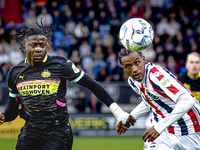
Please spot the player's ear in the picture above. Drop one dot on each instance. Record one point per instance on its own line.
(24, 48)
(143, 58)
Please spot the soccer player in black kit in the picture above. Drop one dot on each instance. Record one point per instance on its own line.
(37, 88)
(191, 78)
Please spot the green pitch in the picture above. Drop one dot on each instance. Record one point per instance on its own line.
(92, 143)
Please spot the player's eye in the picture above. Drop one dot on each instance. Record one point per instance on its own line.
(137, 63)
(128, 66)
(42, 45)
(33, 45)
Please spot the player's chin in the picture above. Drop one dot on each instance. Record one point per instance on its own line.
(38, 60)
(37, 63)
(139, 79)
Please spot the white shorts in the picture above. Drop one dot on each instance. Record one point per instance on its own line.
(167, 141)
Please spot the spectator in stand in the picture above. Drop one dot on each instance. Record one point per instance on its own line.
(149, 54)
(4, 57)
(1, 77)
(81, 102)
(4, 44)
(16, 55)
(84, 48)
(162, 27)
(95, 104)
(75, 57)
(54, 6)
(31, 19)
(57, 20)
(102, 74)
(5, 67)
(81, 31)
(47, 18)
(98, 56)
(88, 20)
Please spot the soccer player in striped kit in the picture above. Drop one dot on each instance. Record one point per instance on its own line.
(175, 112)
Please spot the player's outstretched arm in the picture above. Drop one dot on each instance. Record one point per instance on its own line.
(101, 94)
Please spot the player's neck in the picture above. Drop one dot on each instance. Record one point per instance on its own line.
(194, 76)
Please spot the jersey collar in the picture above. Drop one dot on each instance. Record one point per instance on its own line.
(145, 74)
(44, 60)
(188, 74)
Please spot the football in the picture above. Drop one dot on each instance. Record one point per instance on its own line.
(136, 34)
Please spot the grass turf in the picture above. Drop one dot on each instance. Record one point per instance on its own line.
(92, 143)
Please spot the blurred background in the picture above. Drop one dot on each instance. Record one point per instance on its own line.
(86, 31)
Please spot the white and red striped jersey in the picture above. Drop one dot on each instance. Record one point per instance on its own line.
(172, 105)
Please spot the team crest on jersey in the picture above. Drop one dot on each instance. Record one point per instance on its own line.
(153, 145)
(45, 74)
(157, 74)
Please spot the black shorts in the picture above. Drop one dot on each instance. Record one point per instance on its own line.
(58, 138)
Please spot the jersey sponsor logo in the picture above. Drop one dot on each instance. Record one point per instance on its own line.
(38, 87)
(76, 70)
(165, 82)
(151, 96)
(45, 74)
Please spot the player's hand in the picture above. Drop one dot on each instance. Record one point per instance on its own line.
(151, 134)
(122, 128)
(2, 118)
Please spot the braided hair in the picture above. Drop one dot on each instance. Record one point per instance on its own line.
(21, 36)
(124, 52)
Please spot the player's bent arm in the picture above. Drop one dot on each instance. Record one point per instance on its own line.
(12, 110)
(139, 111)
(102, 95)
(184, 103)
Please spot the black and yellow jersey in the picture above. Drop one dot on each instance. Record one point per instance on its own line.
(192, 85)
(41, 89)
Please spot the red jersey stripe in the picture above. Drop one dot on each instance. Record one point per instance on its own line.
(151, 104)
(157, 73)
(194, 120)
(173, 89)
(171, 129)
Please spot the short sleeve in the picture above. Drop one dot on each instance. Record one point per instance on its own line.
(70, 71)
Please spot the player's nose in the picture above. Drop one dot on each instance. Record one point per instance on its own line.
(38, 49)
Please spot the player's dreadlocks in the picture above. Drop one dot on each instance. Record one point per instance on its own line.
(125, 52)
(21, 36)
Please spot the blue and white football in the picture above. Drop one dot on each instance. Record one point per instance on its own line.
(136, 34)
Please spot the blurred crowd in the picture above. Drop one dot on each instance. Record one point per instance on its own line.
(86, 31)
